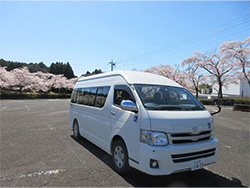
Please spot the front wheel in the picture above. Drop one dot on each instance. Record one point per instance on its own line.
(120, 157)
(76, 134)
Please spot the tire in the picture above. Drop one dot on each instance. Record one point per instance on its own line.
(120, 157)
(76, 134)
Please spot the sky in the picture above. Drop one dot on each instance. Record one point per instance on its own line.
(136, 35)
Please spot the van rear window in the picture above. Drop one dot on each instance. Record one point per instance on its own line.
(91, 96)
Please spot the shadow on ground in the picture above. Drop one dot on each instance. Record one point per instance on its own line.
(200, 178)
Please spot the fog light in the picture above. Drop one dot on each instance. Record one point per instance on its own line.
(154, 164)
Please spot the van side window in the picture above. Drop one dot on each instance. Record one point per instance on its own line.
(122, 94)
(101, 96)
(92, 96)
(77, 95)
(80, 96)
(85, 95)
(73, 96)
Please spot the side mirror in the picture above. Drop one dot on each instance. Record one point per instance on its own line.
(129, 105)
(216, 103)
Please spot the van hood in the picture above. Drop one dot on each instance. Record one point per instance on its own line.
(180, 121)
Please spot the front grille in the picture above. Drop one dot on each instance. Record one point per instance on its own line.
(182, 138)
(178, 158)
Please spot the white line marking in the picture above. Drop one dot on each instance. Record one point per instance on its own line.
(214, 109)
(3, 108)
(49, 126)
(35, 174)
(27, 108)
(48, 172)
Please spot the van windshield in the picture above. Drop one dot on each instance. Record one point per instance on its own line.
(159, 97)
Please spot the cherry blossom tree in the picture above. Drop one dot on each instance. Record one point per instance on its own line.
(6, 78)
(240, 53)
(58, 82)
(21, 79)
(221, 70)
(172, 73)
(43, 83)
(71, 83)
(193, 73)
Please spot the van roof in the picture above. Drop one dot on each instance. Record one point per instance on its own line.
(136, 77)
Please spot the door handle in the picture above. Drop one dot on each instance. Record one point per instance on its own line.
(112, 113)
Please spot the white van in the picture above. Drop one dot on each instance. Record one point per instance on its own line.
(144, 121)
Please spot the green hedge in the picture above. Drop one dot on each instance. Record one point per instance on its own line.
(241, 107)
(242, 101)
(227, 102)
(26, 95)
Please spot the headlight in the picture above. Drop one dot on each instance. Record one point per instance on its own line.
(154, 138)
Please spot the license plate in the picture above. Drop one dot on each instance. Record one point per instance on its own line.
(198, 164)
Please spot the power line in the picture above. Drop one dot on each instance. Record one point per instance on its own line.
(189, 48)
(228, 26)
(239, 21)
(185, 41)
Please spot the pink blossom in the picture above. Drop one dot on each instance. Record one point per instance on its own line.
(21, 79)
(219, 67)
(172, 73)
(239, 53)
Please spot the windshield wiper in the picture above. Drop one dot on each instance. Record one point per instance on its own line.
(166, 108)
(197, 108)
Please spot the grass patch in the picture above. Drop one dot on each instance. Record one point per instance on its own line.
(227, 102)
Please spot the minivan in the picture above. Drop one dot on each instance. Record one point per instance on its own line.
(145, 121)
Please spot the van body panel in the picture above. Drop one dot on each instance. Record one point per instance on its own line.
(129, 123)
(87, 118)
(109, 80)
(180, 121)
(132, 77)
(145, 120)
(163, 156)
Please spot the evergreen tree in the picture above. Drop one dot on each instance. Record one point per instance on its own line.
(96, 71)
(68, 71)
(52, 68)
(11, 64)
(61, 68)
(34, 67)
(42, 65)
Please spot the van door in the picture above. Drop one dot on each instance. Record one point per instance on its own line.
(126, 123)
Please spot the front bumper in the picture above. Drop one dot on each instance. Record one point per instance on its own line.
(163, 155)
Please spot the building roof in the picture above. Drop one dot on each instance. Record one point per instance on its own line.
(136, 77)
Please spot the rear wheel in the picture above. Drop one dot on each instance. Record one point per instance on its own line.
(76, 134)
(120, 157)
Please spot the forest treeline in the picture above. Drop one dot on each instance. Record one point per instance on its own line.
(55, 68)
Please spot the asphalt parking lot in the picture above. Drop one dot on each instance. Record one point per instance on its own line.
(37, 150)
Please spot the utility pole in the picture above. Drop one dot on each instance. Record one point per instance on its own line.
(112, 64)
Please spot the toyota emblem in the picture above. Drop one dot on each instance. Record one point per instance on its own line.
(195, 130)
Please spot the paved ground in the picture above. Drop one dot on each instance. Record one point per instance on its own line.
(37, 150)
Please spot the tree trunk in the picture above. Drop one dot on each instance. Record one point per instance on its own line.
(20, 91)
(196, 92)
(244, 72)
(220, 95)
